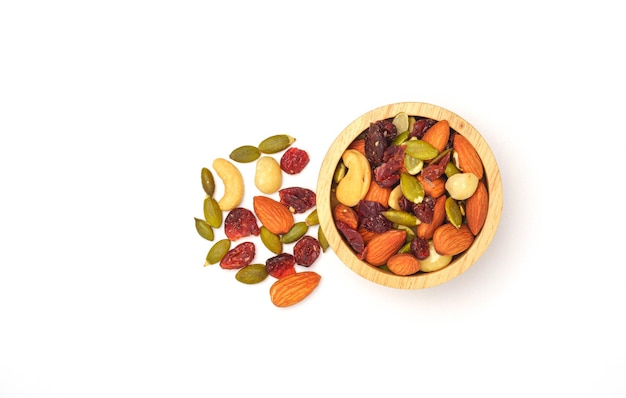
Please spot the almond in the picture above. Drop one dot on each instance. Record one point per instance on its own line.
(426, 231)
(293, 288)
(366, 234)
(450, 241)
(468, 159)
(359, 145)
(376, 193)
(403, 264)
(384, 245)
(476, 208)
(347, 215)
(274, 216)
(434, 188)
(438, 135)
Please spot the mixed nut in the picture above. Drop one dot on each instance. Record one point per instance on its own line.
(409, 194)
(271, 219)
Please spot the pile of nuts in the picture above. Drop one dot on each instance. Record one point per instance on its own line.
(409, 194)
(272, 219)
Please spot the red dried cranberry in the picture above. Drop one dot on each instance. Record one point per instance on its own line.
(306, 250)
(296, 199)
(294, 160)
(421, 126)
(371, 217)
(436, 170)
(419, 248)
(281, 265)
(239, 256)
(355, 240)
(388, 173)
(426, 210)
(240, 223)
(375, 145)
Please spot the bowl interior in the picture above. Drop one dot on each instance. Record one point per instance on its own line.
(461, 262)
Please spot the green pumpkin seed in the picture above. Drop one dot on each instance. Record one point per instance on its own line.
(312, 218)
(245, 154)
(453, 213)
(400, 138)
(401, 121)
(296, 232)
(413, 165)
(321, 238)
(410, 231)
(411, 124)
(204, 229)
(271, 240)
(340, 172)
(401, 217)
(411, 188)
(406, 248)
(251, 274)
(420, 149)
(212, 212)
(208, 182)
(217, 251)
(276, 143)
(451, 169)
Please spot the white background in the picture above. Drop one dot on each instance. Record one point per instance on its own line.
(108, 111)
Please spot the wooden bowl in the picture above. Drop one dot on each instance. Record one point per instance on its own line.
(461, 262)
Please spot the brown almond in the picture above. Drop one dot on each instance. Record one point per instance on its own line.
(476, 208)
(450, 241)
(376, 193)
(347, 215)
(272, 214)
(403, 264)
(434, 188)
(468, 158)
(438, 135)
(367, 235)
(384, 245)
(359, 145)
(293, 288)
(426, 231)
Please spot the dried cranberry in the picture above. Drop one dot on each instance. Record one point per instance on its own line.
(387, 174)
(426, 210)
(281, 265)
(355, 240)
(294, 160)
(375, 145)
(436, 170)
(421, 126)
(239, 256)
(371, 217)
(419, 248)
(306, 250)
(240, 223)
(296, 199)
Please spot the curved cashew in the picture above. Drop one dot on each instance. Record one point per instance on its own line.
(233, 184)
(354, 185)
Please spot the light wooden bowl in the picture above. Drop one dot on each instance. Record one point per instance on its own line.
(421, 280)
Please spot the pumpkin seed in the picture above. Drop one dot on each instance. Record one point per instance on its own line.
(410, 231)
(420, 149)
(251, 274)
(322, 239)
(411, 188)
(212, 212)
(451, 169)
(453, 213)
(413, 165)
(401, 121)
(276, 143)
(217, 251)
(245, 154)
(208, 182)
(406, 248)
(271, 240)
(401, 217)
(296, 232)
(340, 172)
(400, 138)
(312, 218)
(204, 229)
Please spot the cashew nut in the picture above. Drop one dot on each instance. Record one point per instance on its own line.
(268, 177)
(233, 184)
(434, 261)
(354, 185)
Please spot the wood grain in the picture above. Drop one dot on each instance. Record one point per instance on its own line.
(462, 262)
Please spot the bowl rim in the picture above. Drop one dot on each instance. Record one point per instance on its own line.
(459, 264)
